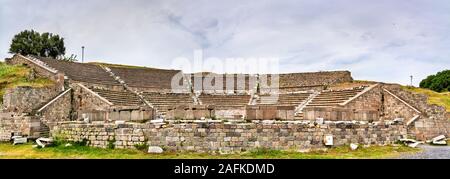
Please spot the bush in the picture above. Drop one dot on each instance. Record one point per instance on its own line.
(142, 146)
(439, 82)
(111, 144)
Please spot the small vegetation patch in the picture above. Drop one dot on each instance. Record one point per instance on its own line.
(441, 99)
(79, 151)
(16, 75)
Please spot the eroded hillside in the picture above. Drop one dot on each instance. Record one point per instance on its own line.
(17, 75)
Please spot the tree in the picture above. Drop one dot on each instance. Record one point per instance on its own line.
(30, 42)
(439, 82)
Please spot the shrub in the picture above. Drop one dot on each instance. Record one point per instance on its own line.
(111, 144)
(439, 82)
(142, 146)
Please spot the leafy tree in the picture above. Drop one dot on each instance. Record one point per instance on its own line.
(30, 42)
(439, 82)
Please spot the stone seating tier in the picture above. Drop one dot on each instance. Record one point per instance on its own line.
(332, 98)
(119, 98)
(325, 78)
(163, 101)
(207, 78)
(224, 100)
(83, 72)
(293, 99)
(146, 77)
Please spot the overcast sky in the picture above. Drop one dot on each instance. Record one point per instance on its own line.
(382, 40)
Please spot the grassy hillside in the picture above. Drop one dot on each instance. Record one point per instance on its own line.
(441, 99)
(15, 75)
(83, 152)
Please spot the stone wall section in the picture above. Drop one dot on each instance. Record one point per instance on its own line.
(230, 137)
(434, 119)
(365, 107)
(20, 125)
(27, 99)
(59, 110)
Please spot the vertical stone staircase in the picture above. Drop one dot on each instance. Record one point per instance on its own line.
(44, 130)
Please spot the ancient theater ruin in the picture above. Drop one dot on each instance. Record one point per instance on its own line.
(125, 106)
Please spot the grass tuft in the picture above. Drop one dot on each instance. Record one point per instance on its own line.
(441, 99)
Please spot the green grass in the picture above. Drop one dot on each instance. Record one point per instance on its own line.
(441, 99)
(16, 75)
(26, 151)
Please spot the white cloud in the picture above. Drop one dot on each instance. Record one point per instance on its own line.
(376, 40)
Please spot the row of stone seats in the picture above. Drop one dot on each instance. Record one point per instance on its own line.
(224, 100)
(309, 79)
(141, 77)
(208, 81)
(163, 101)
(291, 99)
(332, 98)
(119, 98)
(83, 72)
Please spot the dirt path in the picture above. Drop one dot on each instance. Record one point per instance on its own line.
(430, 152)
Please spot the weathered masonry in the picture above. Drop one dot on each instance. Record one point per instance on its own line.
(231, 137)
(104, 102)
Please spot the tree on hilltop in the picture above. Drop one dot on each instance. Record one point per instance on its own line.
(439, 82)
(30, 42)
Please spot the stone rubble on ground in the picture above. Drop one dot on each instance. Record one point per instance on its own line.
(411, 142)
(304, 150)
(415, 144)
(155, 150)
(439, 140)
(43, 142)
(353, 146)
(19, 140)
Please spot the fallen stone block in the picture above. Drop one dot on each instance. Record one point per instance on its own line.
(407, 140)
(353, 146)
(414, 145)
(442, 142)
(43, 142)
(438, 138)
(157, 121)
(328, 140)
(155, 150)
(19, 140)
(119, 122)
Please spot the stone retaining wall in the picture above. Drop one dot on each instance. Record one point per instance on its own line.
(22, 125)
(230, 137)
(434, 119)
(26, 99)
(270, 112)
